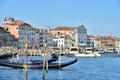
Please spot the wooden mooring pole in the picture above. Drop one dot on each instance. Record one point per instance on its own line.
(45, 61)
(25, 61)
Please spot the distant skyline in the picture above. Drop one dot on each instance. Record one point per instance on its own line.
(98, 16)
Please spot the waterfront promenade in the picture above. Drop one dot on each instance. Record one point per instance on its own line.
(30, 52)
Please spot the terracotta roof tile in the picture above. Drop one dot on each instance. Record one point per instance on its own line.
(16, 22)
(64, 28)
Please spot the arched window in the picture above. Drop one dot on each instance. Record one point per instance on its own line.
(58, 33)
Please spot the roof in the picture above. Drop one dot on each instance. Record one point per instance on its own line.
(91, 36)
(64, 28)
(15, 22)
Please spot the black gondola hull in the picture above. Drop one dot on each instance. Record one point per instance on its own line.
(37, 66)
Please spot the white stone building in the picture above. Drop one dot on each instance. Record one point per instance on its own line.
(93, 41)
(49, 38)
(74, 36)
(80, 36)
(63, 41)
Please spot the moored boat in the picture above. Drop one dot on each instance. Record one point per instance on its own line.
(54, 58)
(52, 65)
(83, 52)
(7, 55)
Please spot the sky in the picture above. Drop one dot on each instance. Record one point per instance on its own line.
(100, 17)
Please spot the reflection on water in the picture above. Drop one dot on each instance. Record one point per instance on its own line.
(105, 68)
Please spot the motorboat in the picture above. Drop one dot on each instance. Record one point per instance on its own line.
(83, 52)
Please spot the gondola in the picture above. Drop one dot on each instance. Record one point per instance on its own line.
(7, 55)
(54, 58)
(52, 65)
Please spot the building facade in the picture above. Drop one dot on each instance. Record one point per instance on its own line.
(93, 41)
(47, 36)
(20, 30)
(74, 36)
(62, 41)
(6, 39)
(107, 41)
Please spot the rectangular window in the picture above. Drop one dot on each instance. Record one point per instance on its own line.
(59, 45)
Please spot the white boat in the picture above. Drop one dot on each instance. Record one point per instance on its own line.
(100, 51)
(84, 55)
(94, 54)
(83, 52)
(74, 50)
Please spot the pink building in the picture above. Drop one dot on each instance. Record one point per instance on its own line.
(20, 30)
(6, 39)
(12, 25)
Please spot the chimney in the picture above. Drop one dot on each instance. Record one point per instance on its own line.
(48, 30)
(4, 19)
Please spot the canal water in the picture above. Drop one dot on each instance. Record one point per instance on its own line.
(105, 68)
